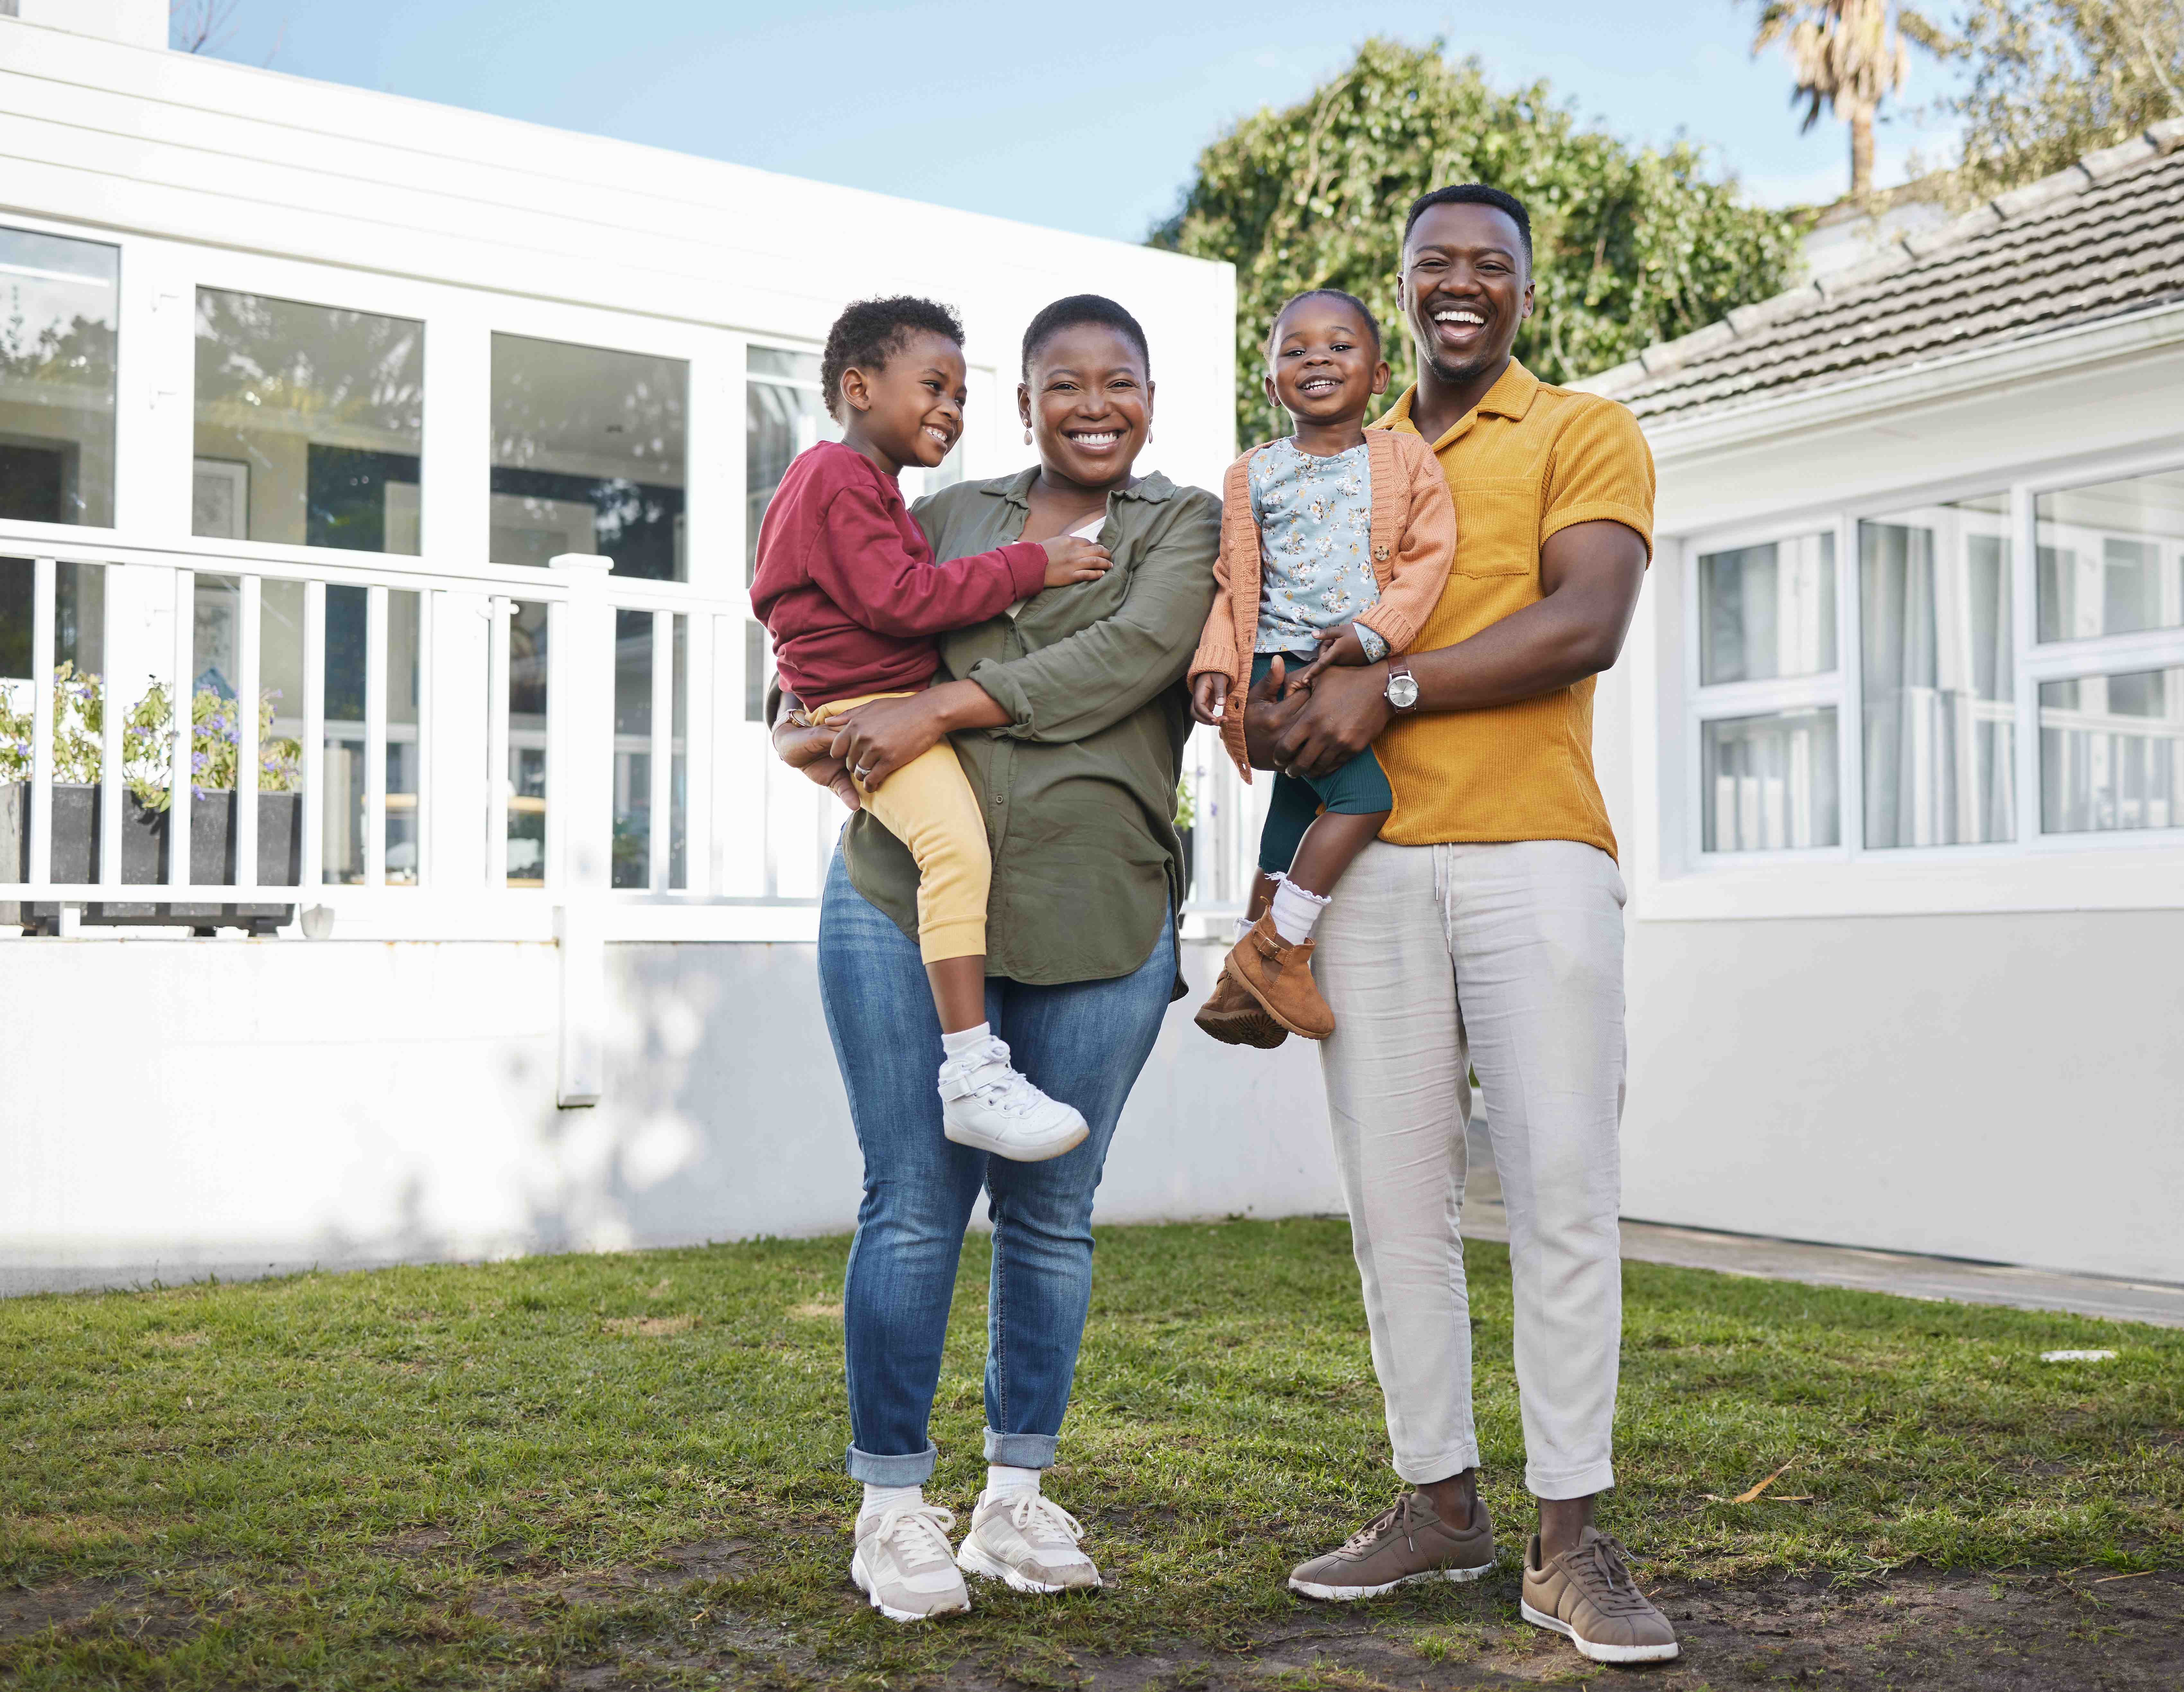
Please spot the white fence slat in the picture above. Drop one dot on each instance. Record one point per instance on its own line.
(314, 734)
(113, 794)
(697, 868)
(499, 787)
(659, 765)
(41, 794)
(421, 813)
(246, 658)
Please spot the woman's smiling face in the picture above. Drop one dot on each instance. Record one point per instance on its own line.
(1088, 401)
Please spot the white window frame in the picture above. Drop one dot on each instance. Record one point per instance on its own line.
(1677, 880)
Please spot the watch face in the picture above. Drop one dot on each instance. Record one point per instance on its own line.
(1402, 692)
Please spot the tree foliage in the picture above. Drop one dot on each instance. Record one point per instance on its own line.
(1632, 247)
(1848, 57)
(2050, 79)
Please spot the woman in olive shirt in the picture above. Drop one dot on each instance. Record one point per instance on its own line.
(1070, 719)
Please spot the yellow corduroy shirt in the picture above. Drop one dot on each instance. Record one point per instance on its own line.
(1530, 461)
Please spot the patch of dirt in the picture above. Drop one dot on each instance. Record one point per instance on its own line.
(93, 1609)
(817, 1311)
(1950, 1632)
(649, 1327)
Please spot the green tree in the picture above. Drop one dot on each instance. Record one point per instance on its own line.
(1848, 59)
(1631, 247)
(2049, 80)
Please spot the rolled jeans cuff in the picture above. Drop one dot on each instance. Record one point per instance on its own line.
(1020, 1450)
(912, 1470)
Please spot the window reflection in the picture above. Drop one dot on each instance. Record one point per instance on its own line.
(59, 305)
(588, 455)
(1768, 611)
(633, 749)
(309, 424)
(526, 745)
(2112, 557)
(1934, 613)
(2112, 752)
(404, 768)
(1768, 783)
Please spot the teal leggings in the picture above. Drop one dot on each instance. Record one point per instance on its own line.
(1358, 789)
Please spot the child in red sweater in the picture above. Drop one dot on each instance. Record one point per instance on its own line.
(848, 588)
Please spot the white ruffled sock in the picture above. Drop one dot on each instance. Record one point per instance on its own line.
(1296, 911)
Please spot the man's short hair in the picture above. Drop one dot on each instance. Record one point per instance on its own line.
(870, 332)
(1474, 194)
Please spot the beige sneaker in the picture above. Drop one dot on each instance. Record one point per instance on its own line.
(1028, 1540)
(1404, 1543)
(1589, 1595)
(904, 1565)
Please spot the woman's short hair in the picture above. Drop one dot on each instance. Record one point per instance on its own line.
(1076, 311)
(1473, 194)
(1364, 313)
(871, 331)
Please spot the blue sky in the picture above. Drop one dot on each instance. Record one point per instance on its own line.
(986, 106)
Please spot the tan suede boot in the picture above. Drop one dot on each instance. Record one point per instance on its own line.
(1279, 976)
(1234, 1017)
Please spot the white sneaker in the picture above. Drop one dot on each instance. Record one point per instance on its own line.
(1028, 1540)
(986, 1104)
(904, 1564)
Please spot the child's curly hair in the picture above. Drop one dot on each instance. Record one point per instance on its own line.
(870, 331)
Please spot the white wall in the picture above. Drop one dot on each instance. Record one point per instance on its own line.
(1975, 1055)
(236, 1106)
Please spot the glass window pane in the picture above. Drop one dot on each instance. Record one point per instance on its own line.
(310, 422)
(1769, 783)
(1768, 611)
(2112, 752)
(280, 797)
(776, 361)
(633, 749)
(779, 423)
(342, 803)
(58, 330)
(404, 675)
(526, 746)
(588, 455)
(1934, 614)
(2112, 557)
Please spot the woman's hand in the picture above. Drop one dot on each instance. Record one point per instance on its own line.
(1209, 696)
(1342, 715)
(1071, 558)
(802, 747)
(878, 739)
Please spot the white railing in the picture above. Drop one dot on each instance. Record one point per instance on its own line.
(717, 839)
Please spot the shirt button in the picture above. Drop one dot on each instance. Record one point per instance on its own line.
(1000, 799)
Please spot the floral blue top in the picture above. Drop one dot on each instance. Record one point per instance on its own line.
(1315, 518)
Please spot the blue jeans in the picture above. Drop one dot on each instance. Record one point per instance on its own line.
(1084, 1043)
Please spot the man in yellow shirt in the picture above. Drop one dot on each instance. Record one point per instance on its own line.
(1485, 929)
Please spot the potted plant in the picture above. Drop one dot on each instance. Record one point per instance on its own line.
(147, 756)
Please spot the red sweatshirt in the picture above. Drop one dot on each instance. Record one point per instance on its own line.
(847, 587)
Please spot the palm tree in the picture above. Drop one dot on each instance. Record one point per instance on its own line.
(1848, 57)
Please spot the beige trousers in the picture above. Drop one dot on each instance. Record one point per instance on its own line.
(1507, 957)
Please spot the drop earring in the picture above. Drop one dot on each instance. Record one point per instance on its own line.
(1026, 434)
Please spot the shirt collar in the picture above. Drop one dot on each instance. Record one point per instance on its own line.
(1511, 396)
(1155, 489)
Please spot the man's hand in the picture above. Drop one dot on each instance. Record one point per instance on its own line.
(1268, 710)
(802, 747)
(1342, 715)
(1209, 696)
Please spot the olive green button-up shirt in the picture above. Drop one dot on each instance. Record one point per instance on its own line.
(1078, 790)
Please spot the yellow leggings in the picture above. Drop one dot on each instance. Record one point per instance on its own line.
(928, 805)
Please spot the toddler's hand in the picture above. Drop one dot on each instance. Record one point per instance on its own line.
(1071, 558)
(1336, 646)
(1209, 694)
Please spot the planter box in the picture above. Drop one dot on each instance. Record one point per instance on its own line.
(75, 856)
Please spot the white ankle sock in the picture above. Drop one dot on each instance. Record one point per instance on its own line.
(963, 1039)
(1000, 1479)
(879, 1498)
(1295, 911)
(1245, 925)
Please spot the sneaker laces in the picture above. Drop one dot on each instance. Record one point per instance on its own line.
(1603, 1570)
(917, 1534)
(1007, 1091)
(1028, 1509)
(1362, 1539)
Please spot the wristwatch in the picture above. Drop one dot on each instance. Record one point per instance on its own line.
(1402, 689)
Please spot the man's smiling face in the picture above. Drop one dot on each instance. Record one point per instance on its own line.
(1465, 285)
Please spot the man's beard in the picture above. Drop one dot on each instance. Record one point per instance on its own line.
(1456, 374)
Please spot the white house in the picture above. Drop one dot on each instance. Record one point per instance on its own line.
(447, 436)
(1897, 744)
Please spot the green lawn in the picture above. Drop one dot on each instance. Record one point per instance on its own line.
(495, 1475)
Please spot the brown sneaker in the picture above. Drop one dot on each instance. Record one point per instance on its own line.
(1407, 1541)
(1234, 1017)
(1279, 976)
(1589, 1595)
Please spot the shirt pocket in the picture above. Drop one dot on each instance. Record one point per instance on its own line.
(1497, 526)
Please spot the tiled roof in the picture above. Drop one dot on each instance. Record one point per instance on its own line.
(2103, 239)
